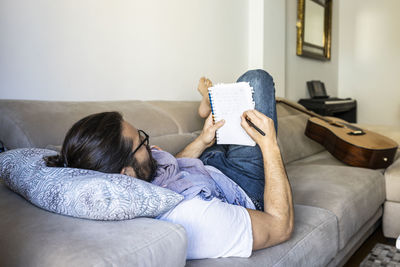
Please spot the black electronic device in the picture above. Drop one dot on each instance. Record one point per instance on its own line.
(317, 89)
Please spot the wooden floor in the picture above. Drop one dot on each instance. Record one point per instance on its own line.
(366, 247)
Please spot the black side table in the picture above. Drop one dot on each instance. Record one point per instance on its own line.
(345, 109)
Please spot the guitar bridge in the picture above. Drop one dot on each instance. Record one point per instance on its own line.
(357, 132)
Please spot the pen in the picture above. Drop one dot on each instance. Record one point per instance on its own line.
(255, 127)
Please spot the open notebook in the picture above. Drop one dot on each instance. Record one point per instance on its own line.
(228, 102)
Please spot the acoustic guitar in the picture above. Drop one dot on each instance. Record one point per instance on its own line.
(348, 143)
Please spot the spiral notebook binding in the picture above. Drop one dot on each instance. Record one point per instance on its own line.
(215, 119)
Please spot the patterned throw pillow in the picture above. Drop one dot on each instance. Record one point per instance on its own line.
(82, 193)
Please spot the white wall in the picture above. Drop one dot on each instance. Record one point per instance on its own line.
(300, 69)
(124, 49)
(369, 58)
(267, 26)
(275, 42)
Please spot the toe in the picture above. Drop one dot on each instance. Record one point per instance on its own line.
(202, 87)
(208, 83)
(202, 81)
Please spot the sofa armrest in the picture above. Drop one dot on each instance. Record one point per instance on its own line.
(33, 237)
(392, 179)
(391, 214)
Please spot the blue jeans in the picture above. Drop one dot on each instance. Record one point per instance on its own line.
(244, 164)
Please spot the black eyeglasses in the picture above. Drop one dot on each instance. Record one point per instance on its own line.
(145, 140)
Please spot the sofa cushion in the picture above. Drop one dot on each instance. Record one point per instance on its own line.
(352, 194)
(82, 193)
(314, 243)
(30, 124)
(173, 143)
(184, 114)
(34, 237)
(294, 144)
(322, 158)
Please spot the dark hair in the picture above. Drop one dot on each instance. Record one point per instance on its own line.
(96, 143)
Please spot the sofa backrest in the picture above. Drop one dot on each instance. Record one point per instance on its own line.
(170, 124)
(294, 144)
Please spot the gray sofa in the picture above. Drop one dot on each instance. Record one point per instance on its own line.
(336, 206)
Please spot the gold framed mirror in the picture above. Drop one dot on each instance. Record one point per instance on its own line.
(314, 24)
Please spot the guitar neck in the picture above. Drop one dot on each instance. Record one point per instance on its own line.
(304, 110)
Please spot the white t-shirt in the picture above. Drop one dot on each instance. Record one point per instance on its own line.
(214, 228)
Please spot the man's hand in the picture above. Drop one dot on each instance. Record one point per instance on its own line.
(207, 135)
(204, 140)
(264, 123)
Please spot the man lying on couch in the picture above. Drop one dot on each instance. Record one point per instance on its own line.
(255, 215)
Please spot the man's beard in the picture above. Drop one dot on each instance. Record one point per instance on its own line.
(146, 170)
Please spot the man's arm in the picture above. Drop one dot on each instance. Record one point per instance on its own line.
(276, 223)
(204, 140)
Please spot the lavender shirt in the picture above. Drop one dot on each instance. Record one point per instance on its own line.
(190, 177)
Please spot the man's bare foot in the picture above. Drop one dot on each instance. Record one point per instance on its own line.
(205, 107)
